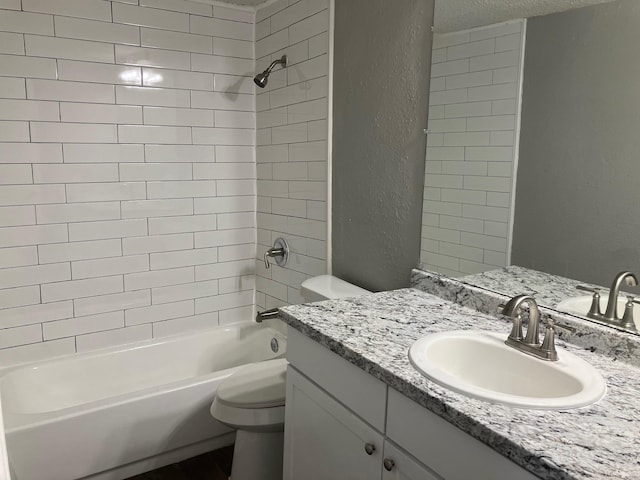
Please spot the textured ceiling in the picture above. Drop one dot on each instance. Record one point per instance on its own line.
(452, 15)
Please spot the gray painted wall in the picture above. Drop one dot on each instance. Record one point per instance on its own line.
(578, 188)
(380, 103)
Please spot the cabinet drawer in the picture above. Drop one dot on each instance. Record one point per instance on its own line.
(354, 388)
(440, 445)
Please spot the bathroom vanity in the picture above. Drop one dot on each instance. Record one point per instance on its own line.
(486, 296)
(352, 436)
(356, 408)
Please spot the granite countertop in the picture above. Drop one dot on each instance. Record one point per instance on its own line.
(548, 289)
(374, 332)
(591, 335)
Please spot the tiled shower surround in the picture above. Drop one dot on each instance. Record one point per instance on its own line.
(128, 167)
(471, 149)
(291, 151)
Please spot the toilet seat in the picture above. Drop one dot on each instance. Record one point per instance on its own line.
(253, 397)
(257, 385)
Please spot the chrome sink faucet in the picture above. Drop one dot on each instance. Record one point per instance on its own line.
(631, 280)
(513, 309)
(530, 344)
(611, 314)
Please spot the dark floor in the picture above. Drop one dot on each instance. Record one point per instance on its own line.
(214, 465)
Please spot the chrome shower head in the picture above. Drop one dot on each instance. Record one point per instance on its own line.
(262, 78)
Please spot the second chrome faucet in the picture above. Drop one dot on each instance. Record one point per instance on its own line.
(611, 313)
(530, 344)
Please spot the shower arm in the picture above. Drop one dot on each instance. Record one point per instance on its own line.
(282, 60)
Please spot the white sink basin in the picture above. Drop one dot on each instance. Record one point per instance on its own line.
(480, 365)
(581, 305)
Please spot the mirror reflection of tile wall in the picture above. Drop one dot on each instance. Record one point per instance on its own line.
(471, 149)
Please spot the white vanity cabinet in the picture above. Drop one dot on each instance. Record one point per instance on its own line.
(341, 423)
(326, 440)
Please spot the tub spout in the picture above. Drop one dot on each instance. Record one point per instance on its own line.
(267, 315)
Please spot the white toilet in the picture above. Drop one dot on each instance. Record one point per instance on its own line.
(252, 399)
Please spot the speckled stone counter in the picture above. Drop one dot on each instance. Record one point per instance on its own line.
(589, 334)
(374, 332)
(548, 289)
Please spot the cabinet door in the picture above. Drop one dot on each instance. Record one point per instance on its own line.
(445, 449)
(324, 440)
(398, 465)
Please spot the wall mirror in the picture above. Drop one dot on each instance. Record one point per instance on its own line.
(572, 205)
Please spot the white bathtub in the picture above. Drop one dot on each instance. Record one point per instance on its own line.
(118, 412)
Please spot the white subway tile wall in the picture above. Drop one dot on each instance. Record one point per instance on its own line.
(471, 149)
(291, 152)
(127, 172)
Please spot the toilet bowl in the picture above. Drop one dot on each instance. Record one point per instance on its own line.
(252, 399)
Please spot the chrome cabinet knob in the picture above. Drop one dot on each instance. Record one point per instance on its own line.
(369, 448)
(388, 464)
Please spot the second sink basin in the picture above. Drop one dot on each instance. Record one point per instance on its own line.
(480, 365)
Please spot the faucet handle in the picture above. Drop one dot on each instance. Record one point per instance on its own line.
(588, 289)
(627, 318)
(594, 309)
(279, 251)
(516, 328)
(548, 346)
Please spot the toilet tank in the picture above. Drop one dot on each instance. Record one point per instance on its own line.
(325, 287)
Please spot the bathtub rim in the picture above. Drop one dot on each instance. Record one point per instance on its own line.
(7, 369)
